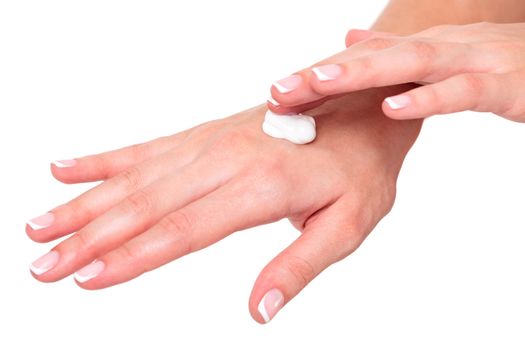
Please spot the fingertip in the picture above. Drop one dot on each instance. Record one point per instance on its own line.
(266, 301)
(38, 228)
(279, 99)
(294, 90)
(396, 111)
(40, 267)
(329, 80)
(34, 236)
(390, 112)
(272, 103)
(356, 35)
(62, 172)
(64, 163)
(87, 285)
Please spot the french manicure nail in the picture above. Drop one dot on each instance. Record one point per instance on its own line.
(42, 221)
(44, 263)
(327, 72)
(273, 102)
(65, 163)
(398, 102)
(270, 304)
(288, 84)
(89, 271)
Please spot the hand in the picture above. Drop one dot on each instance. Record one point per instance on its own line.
(175, 195)
(479, 67)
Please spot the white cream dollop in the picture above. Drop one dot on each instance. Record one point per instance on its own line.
(296, 128)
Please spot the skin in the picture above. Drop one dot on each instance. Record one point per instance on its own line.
(149, 210)
(479, 67)
(404, 32)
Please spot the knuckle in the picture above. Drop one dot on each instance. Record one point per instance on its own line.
(229, 144)
(357, 225)
(131, 178)
(139, 202)
(365, 64)
(377, 43)
(133, 255)
(302, 270)
(78, 209)
(429, 96)
(271, 178)
(354, 230)
(178, 222)
(270, 167)
(82, 243)
(130, 251)
(232, 139)
(473, 85)
(423, 50)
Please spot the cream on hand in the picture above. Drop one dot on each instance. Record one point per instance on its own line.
(296, 128)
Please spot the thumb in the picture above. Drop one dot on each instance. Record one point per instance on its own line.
(327, 238)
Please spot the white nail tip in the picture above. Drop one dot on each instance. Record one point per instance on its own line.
(96, 268)
(392, 103)
(321, 76)
(82, 279)
(273, 102)
(59, 164)
(262, 310)
(39, 270)
(35, 226)
(281, 89)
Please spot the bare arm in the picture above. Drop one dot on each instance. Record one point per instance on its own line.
(409, 16)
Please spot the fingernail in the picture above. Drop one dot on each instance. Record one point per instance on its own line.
(44, 263)
(270, 304)
(273, 102)
(65, 163)
(328, 72)
(288, 84)
(398, 102)
(90, 271)
(42, 221)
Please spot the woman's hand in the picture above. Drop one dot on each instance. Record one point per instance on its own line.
(175, 195)
(478, 67)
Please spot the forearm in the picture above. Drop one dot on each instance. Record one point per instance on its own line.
(409, 16)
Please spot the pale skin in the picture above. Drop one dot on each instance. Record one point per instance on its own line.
(175, 195)
(478, 67)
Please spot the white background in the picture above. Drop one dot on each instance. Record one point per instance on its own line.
(443, 270)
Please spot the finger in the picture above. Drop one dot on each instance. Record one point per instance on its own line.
(132, 216)
(199, 224)
(275, 107)
(75, 214)
(412, 61)
(295, 92)
(105, 165)
(327, 239)
(357, 35)
(476, 92)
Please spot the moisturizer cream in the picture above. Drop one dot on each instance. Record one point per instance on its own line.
(296, 128)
